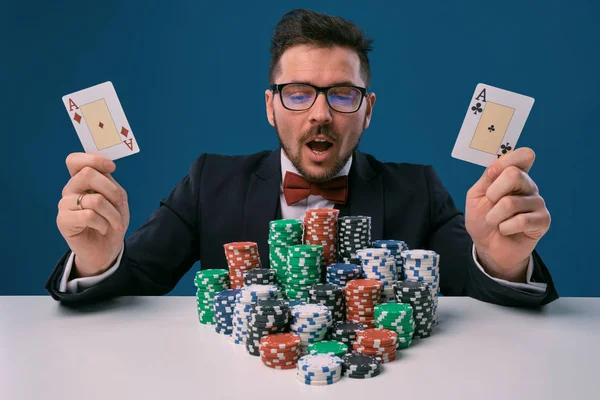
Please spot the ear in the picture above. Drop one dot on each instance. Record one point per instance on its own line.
(269, 106)
(370, 99)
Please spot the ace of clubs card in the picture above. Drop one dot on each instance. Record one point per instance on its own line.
(493, 123)
(100, 122)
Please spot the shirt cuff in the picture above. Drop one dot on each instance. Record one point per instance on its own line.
(79, 284)
(537, 287)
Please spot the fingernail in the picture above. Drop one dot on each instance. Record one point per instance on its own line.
(491, 172)
(109, 164)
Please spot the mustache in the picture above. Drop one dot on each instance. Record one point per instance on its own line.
(320, 130)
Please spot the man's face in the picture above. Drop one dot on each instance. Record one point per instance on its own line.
(297, 130)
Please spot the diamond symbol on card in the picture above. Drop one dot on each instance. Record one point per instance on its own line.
(101, 125)
(77, 118)
(124, 131)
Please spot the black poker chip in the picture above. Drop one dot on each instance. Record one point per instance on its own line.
(355, 363)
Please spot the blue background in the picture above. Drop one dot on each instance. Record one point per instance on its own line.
(175, 66)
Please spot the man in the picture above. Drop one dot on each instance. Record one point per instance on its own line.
(319, 106)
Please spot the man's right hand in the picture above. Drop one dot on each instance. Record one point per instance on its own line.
(96, 230)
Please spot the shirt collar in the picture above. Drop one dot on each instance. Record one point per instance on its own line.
(286, 165)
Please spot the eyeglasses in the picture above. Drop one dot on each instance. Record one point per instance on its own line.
(301, 96)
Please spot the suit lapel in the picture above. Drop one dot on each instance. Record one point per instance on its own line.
(261, 205)
(365, 196)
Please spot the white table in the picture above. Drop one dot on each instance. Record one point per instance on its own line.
(154, 348)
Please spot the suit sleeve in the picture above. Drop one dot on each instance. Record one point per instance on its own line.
(156, 255)
(459, 275)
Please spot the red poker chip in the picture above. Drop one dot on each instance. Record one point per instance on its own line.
(364, 283)
(279, 352)
(360, 318)
(280, 359)
(278, 366)
(377, 337)
(365, 301)
(280, 341)
(361, 313)
(240, 245)
(386, 352)
(320, 211)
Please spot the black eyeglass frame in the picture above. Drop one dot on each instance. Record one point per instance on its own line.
(279, 88)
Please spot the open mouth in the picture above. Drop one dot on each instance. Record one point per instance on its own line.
(319, 149)
(319, 146)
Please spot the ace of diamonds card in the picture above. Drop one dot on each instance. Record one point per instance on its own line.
(493, 123)
(100, 122)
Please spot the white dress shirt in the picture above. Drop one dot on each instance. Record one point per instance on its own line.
(295, 211)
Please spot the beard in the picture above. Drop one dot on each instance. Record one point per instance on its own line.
(325, 130)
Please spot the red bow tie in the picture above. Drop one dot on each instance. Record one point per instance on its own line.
(296, 188)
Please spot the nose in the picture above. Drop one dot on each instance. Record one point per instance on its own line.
(320, 113)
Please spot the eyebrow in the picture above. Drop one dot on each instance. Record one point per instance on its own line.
(335, 84)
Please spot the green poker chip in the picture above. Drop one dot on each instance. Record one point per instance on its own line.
(297, 294)
(330, 347)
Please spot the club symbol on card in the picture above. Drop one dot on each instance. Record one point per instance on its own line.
(505, 149)
(477, 108)
(491, 128)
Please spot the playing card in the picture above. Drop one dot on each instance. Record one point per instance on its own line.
(492, 126)
(100, 122)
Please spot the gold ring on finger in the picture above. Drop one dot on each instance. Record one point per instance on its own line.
(79, 201)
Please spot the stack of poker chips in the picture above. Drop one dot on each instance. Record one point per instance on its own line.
(360, 366)
(319, 369)
(267, 317)
(280, 351)
(396, 247)
(340, 274)
(345, 331)
(209, 282)
(424, 266)
(380, 264)
(330, 296)
(380, 343)
(418, 296)
(320, 228)
(295, 302)
(241, 257)
(354, 233)
(303, 270)
(283, 233)
(224, 303)
(260, 276)
(247, 296)
(361, 297)
(330, 347)
(396, 317)
(311, 322)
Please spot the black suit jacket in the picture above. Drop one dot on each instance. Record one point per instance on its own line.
(232, 198)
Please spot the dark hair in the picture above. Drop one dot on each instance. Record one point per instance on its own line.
(309, 27)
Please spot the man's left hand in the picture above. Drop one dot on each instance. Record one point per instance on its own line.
(506, 216)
